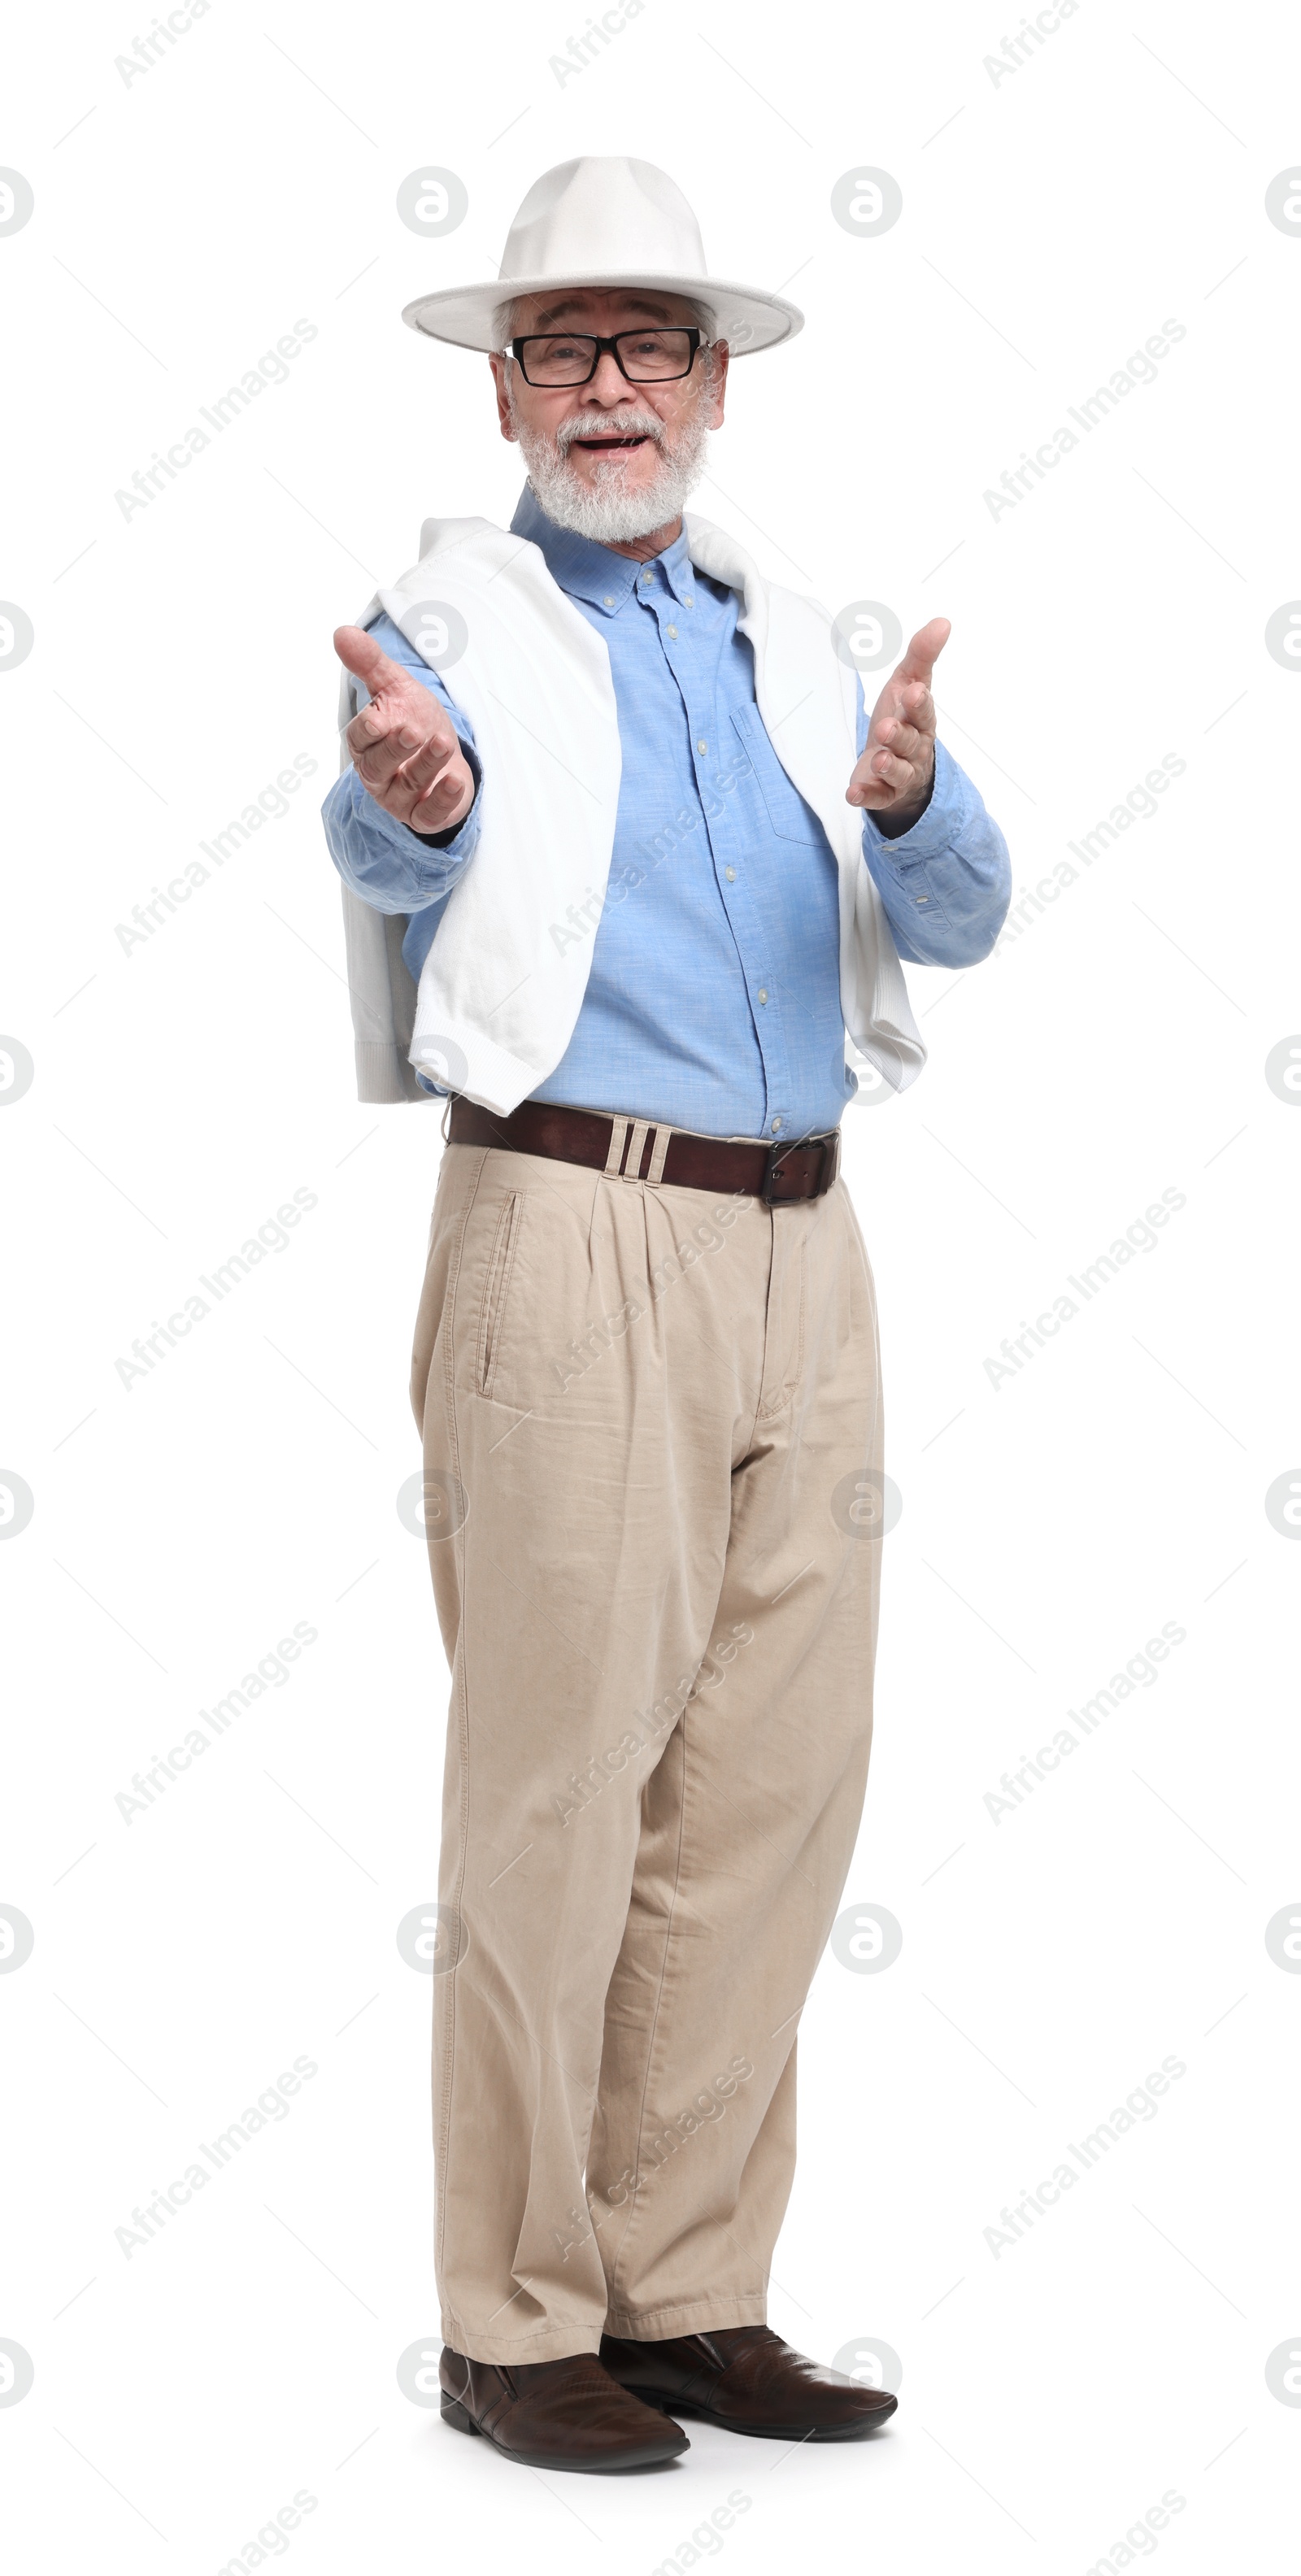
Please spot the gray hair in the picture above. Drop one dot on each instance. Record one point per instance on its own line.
(506, 317)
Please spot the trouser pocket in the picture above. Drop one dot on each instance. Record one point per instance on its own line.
(496, 1288)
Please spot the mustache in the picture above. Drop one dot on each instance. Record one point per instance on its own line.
(642, 424)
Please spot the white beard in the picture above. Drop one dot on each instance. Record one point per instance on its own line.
(608, 511)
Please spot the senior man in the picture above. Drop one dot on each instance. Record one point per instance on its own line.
(599, 810)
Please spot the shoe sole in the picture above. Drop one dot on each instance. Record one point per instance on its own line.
(768, 2432)
(646, 2456)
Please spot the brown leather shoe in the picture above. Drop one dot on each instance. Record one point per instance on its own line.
(566, 2414)
(746, 2379)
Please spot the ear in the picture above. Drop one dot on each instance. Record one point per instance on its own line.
(499, 365)
(718, 358)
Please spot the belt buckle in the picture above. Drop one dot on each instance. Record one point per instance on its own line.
(777, 1154)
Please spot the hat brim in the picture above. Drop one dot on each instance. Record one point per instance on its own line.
(745, 318)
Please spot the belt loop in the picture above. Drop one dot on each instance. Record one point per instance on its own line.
(618, 1139)
(632, 1166)
(663, 1138)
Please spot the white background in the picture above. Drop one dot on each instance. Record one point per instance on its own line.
(182, 1091)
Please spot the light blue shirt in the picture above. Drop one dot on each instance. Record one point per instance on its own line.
(713, 1000)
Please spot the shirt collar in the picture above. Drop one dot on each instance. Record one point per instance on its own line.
(595, 573)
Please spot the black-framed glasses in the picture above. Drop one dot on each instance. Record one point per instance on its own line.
(647, 357)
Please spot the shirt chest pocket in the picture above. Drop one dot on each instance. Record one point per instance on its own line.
(788, 815)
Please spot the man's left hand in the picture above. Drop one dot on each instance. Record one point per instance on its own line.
(893, 778)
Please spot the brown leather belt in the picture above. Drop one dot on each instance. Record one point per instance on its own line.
(632, 1149)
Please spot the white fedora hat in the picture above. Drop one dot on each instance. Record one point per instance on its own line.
(606, 222)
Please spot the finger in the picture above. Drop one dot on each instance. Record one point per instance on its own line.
(924, 650)
(446, 801)
(360, 654)
(400, 722)
(866, 788)
(903, 739)
(374, 724)
(449, 796)
(377, 771)
(896, 774)
(379, 761)
(420, 770)
(903, 701)
(437, 812)
(917, 706)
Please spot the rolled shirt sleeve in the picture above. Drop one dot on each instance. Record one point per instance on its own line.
(392, 867)
(945, 884)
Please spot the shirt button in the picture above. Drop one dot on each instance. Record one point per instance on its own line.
(648, 576)
(688, 602)
(672, 634)
(763, 992)
(776, 1126)
(702, 748)
(730, 874)
(609, 599)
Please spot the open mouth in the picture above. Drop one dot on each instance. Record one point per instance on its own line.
(600, 446)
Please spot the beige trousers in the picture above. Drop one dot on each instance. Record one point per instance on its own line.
(652, 1434)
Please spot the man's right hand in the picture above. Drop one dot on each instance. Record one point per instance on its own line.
(405, 748)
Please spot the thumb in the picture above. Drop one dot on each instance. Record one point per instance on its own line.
(360, 654)
(925, 649)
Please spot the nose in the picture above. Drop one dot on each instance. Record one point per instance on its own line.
(607, 385)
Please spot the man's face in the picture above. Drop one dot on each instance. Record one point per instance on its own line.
(611, 458)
